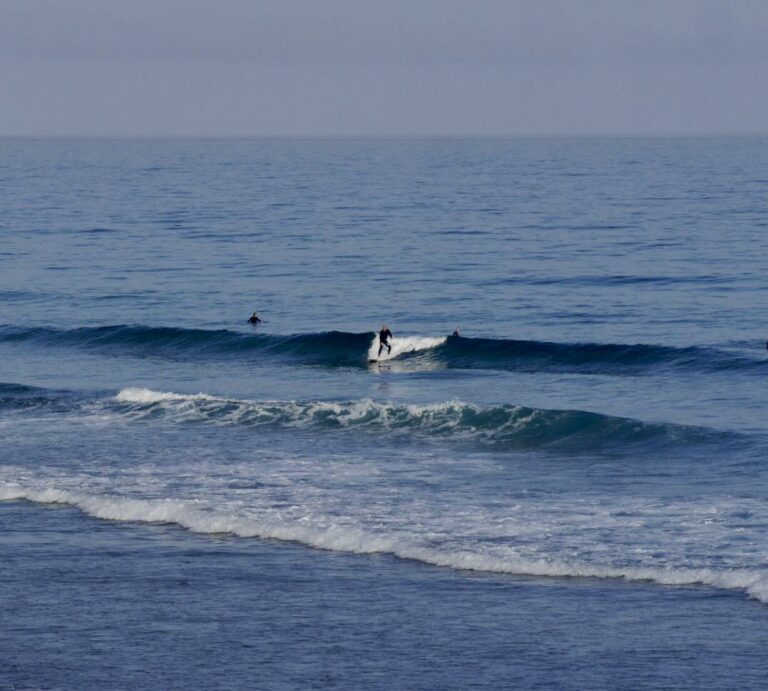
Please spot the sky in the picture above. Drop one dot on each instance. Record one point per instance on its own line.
(382, 67)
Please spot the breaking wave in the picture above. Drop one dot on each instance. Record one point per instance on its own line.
(505, 426)
(337, 348)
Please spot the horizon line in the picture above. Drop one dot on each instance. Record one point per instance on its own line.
(456, 135)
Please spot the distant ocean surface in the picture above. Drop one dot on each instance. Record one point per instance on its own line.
(573, 493)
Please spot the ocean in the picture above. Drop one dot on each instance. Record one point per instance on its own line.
(572, 494)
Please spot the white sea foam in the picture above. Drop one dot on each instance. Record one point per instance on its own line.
(200, 518)
(402, 345)
(140, 395)
(343, 413)
(501, 426)
(453, 420)
(444, 417)
(354, 408)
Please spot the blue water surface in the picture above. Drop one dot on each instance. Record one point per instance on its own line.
(571, 494)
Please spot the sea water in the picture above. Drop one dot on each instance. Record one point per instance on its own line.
(570, 494)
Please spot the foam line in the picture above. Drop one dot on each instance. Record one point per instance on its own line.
(148, 396)
(188, 515)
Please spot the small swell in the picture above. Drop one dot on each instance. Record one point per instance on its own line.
(21, 397)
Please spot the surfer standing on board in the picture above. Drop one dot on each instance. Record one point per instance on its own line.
(384, 335)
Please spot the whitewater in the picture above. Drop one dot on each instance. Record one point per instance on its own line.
(338, 535)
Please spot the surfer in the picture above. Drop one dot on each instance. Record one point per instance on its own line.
(456, 332)
(254, 319)
(384, 335)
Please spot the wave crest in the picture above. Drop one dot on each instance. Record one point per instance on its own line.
(338, 348)
(505, 426)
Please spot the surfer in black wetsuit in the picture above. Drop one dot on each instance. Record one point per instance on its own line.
(456, 332)
(384, 335)
(254, 319)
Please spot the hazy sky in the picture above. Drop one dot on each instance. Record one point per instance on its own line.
(339, 67)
